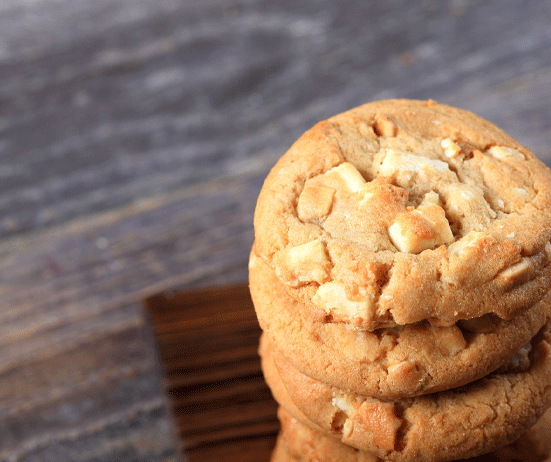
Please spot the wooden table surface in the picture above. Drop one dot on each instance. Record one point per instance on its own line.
(134, 138)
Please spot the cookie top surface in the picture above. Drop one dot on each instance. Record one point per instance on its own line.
(392, 362)
(400, 211)
(455, 424)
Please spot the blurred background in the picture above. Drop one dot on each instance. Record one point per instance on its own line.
(134, 138)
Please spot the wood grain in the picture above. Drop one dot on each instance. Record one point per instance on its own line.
(134, 139)
(208, 341)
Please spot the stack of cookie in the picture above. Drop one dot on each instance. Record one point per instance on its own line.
(401, 274)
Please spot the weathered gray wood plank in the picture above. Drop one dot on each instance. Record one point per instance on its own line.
(134, 138)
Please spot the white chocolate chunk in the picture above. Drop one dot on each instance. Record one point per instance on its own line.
(517, 273)
(450, 339)
(450, 147)
(252, 260)
(470, 240)
(331, 296)
(403, 239)
(503, 152)
(405, 375)
(395, 162)
(304, 263)
(315, 201)
(351, 178)
(385, 126)
(431, 198)
(377, 419)
(522, 193)
(343, 403)
(379, 190)
(420, 229)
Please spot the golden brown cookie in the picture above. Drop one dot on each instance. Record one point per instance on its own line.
(298, 442)
(402, 211)
(280, 453)
(302, 443)
(279, 392)
(459, 423)
(394, 362)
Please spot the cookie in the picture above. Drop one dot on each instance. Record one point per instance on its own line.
(279, 392)
(394, 362)
(298, 442)
(281, 454)
(402, 211)
(455, 424)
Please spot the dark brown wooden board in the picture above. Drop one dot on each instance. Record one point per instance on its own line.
(207, 341)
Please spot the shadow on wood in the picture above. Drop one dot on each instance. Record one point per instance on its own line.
(207, 343)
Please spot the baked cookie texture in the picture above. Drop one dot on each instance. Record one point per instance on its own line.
(392, 362)
(300, 443)
(402, 211)
(401, 274)
(459, 423)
